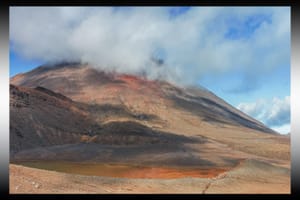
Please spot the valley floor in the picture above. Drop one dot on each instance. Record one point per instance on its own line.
(250, 176)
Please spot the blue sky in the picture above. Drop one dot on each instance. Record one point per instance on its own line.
(21, 65)
(242, 54)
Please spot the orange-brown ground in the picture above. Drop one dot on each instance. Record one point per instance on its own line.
(249, 177)
(169, 173)
(126, 170)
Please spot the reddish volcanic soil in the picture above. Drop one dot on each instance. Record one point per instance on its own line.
(127, 170)
(168, 173)
(137, 83)
(250, 176)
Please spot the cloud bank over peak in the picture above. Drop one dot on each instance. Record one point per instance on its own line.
(190, 41)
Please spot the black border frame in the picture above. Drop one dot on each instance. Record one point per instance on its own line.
(4, 10)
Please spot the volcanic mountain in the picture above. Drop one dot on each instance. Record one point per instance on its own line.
(138, 95)
(73, 112)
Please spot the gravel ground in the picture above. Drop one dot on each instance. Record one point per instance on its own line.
(251, 176)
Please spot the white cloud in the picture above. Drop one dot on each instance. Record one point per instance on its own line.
(280, 112)
(124, 40)
(254, 109)
(275, 113)
(284, 129)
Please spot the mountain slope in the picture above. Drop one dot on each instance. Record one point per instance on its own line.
(74, 112)
(85, 84)
(41, 118)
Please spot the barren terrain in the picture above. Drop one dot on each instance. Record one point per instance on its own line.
(92, 132)
(249, 177)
